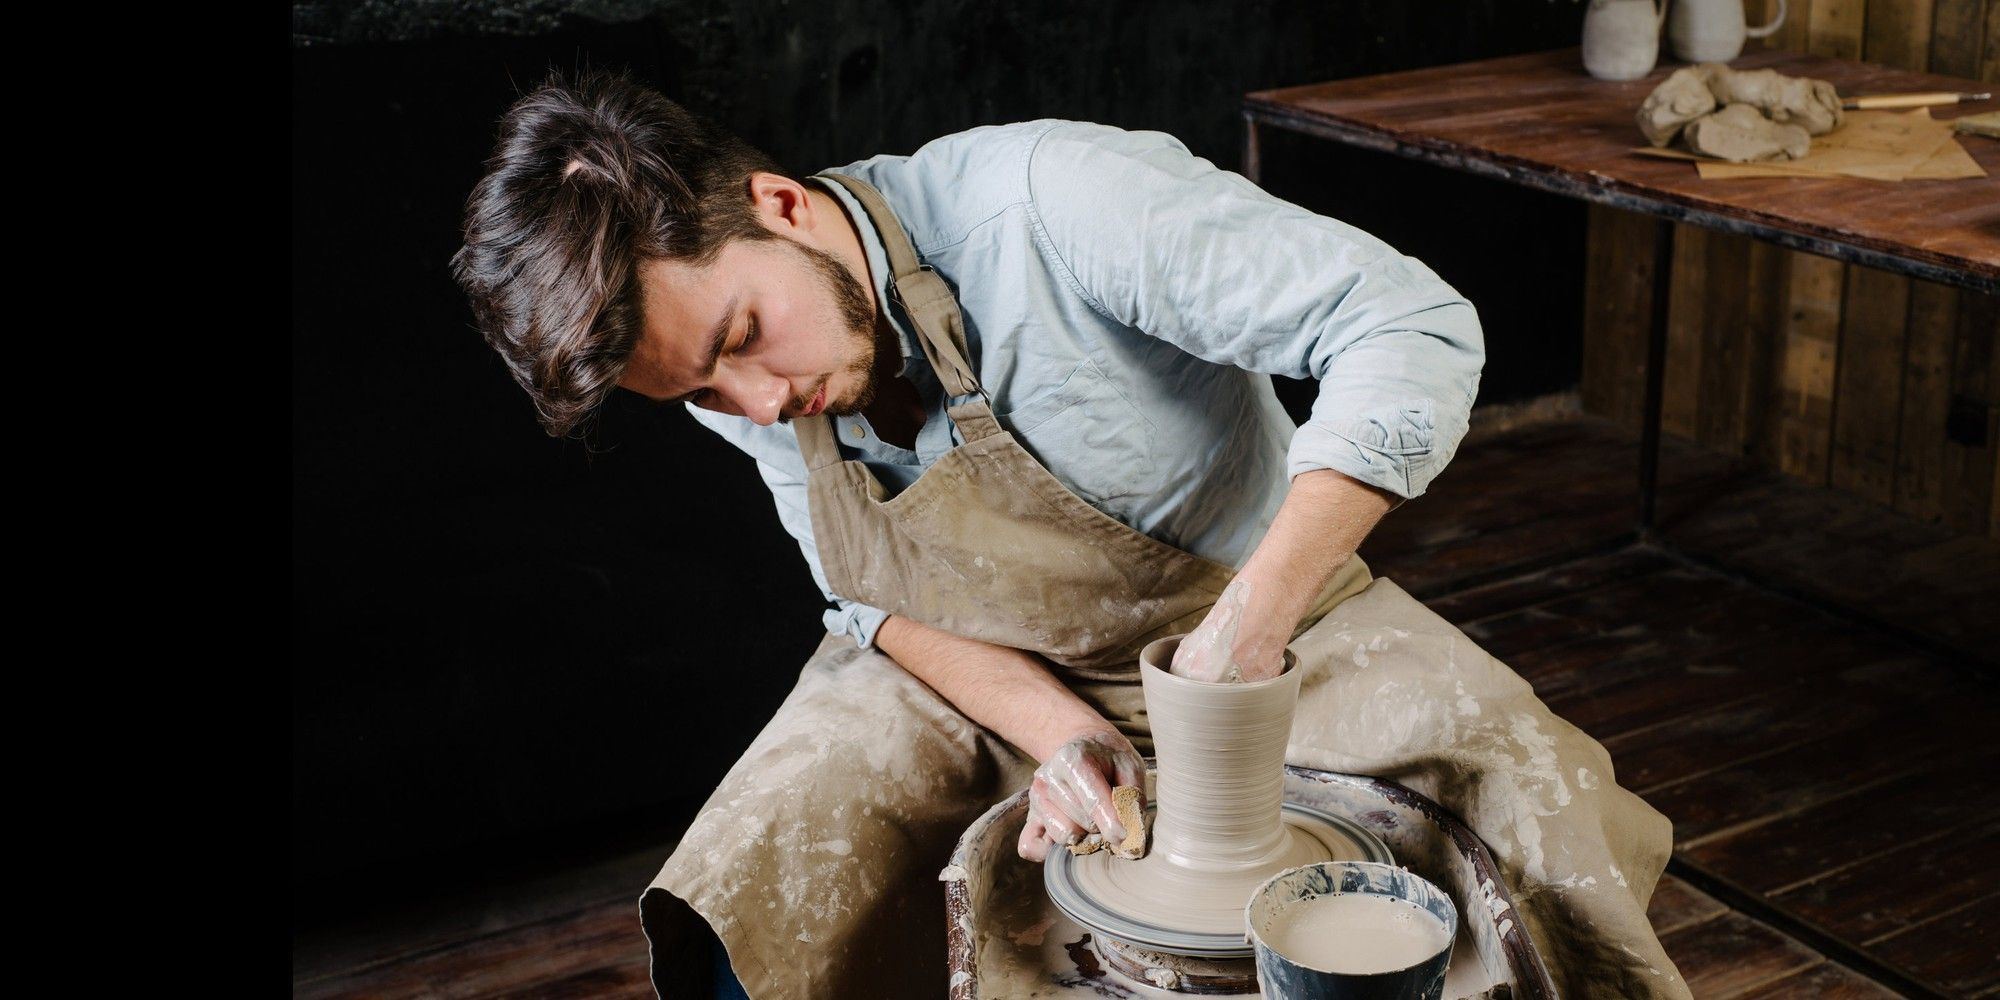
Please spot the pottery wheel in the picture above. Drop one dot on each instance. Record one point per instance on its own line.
(1157, 904)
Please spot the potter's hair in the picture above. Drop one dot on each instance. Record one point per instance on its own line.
(593, 174)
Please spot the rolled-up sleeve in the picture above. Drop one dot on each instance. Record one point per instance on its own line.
(1161, 240)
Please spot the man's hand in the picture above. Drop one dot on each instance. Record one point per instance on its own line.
(1322, 521)
(1223, 651)
(1071, 793)
(1011, 693)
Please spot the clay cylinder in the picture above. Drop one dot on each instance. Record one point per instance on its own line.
(1221, 763)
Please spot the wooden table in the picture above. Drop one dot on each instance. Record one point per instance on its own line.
(1540, 121)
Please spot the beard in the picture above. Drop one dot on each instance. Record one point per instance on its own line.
(857, 316)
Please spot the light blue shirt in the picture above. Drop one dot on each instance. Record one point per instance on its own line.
(1124, 301)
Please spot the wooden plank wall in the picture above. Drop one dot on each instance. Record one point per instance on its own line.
(1843, 376)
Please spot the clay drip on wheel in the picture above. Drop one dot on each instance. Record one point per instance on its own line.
(1221, 830)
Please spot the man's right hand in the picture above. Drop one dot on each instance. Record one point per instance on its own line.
(1071, 793)
(1012, 693)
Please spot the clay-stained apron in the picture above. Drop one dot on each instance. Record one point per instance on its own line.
(815, 859)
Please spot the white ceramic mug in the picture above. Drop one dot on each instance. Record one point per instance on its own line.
(1713, 30)
(1621, 38)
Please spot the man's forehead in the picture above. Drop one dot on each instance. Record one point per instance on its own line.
(687, 318)
(681, 300)
(684, 309)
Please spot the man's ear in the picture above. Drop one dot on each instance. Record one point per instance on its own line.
(780, 202)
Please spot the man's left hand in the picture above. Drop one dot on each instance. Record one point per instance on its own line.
(1232, 644)
(1322, 521)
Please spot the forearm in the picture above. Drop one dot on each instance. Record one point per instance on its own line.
(1323, 520)
(1004, 689)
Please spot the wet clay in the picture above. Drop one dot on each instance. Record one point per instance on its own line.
(1220, 830)
(1358, 934)
(1764, 114)
(1742, 134)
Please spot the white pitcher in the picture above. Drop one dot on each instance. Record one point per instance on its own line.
(1621, 38)
(1713, 30)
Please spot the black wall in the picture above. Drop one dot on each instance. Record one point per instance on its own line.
(507, 651)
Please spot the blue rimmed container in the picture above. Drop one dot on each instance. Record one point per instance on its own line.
(1281, 898)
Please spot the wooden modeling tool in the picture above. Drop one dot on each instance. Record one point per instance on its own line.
(1923, 100)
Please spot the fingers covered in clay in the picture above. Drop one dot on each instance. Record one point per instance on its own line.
(1206, 653)
(1080, 787)
(1221, 651)
(1053, 815)
(1741, 133)
(1080, 802)
(1071, 796)
(1034, 842)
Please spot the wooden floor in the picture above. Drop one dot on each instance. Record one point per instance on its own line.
(1828, 775)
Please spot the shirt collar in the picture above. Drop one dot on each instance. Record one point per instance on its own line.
(878, 268)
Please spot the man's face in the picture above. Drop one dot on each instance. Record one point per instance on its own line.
(790, 330)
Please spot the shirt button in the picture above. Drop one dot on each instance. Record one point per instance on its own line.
(857, 431)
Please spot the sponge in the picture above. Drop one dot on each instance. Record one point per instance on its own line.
(1125, 799)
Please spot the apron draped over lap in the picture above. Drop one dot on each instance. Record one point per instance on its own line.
(816, 859)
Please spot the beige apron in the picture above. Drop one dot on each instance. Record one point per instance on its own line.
(816, 859)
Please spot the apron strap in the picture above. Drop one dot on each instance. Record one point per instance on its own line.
(924, 295)
(818, 445)
(974, 419)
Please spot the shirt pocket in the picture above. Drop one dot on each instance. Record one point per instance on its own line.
(1093, 439)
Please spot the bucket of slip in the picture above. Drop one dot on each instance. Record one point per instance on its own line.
(1350, 930)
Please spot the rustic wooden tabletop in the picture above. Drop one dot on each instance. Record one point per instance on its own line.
(1541, 121)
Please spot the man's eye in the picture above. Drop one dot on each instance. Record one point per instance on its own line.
(749, 337)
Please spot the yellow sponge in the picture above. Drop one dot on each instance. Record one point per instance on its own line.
(1125, 799)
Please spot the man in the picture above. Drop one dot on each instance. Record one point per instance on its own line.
(1010, 394)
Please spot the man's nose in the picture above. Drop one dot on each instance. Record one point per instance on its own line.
(761, 396)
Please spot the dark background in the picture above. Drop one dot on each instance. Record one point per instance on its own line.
(509, 653)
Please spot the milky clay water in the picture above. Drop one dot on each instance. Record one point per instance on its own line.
(1351, 930)
(1356, 934)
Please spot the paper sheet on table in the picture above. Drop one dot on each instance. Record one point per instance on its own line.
(1948, 162)
(1878, 145)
